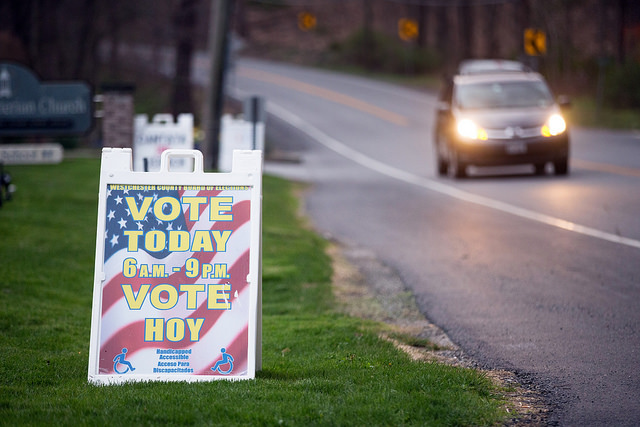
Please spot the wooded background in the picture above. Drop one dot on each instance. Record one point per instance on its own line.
(85, 39)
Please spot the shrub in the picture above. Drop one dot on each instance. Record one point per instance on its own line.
(384, 53)
(622, 89)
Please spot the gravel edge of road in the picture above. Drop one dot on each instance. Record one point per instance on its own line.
(367, 288)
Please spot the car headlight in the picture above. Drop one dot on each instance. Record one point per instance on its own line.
(554, 126)
(468, 129)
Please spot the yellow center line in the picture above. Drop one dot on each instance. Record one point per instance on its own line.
(330, 95)
(604, 167)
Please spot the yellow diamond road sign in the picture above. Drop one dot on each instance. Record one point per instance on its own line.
(408, 29)
(535, 42)
(306, 21)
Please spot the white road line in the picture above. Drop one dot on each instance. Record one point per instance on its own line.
(430, 184)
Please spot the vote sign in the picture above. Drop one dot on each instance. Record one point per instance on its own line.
(177, 283)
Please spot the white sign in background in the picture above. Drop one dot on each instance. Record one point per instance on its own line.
(151, 139)
(238, 134)
(26, 154)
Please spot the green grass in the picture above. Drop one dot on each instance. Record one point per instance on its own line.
(585, 112)
(319, 367)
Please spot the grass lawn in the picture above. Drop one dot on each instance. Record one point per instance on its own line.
(320, 367)
(585, 112)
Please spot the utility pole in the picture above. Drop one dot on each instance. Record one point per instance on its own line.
(218, 50)
(184, 22)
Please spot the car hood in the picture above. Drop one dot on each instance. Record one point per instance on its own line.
(512, 117)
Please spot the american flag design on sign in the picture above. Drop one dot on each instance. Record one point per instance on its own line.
(175, 296)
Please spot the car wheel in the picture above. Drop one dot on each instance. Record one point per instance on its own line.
(540, 168)
(441, 162)
(442, 165)
(457, 169)
(561, 167)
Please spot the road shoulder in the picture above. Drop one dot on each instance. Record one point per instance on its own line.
(364, 287)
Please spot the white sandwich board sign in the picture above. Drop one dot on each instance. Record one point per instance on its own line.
(238, 134)
(177, 285)
(150, 139)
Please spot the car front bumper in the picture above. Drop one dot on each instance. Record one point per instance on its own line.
(513, 151)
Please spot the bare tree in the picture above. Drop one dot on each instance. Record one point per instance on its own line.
(465, 25)
(367, 32)
(185, 26)
(443, 36)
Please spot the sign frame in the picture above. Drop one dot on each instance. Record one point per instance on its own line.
(117, 172)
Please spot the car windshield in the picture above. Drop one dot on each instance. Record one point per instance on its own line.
(503, 95)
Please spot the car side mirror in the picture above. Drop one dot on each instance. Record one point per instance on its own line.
(443, 107)
(564, 101)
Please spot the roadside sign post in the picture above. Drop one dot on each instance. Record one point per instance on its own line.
(408, 29)
(535, 42)
(255, 112)
(307, 21)
(177, 285)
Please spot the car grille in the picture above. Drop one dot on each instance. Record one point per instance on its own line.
(513, 133)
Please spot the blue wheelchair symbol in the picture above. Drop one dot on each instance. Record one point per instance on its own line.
(226, 359)
(120, 360)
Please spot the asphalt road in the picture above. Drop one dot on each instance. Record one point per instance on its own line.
(536, 274)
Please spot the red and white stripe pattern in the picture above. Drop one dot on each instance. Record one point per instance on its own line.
(124, 328)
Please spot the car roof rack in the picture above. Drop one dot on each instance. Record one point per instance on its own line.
(482, 66)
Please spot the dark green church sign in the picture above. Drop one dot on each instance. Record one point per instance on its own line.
(29, 107)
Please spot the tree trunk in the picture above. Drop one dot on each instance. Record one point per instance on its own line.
(184, 24)
(443, 39)
(466, 30)
(367, 34)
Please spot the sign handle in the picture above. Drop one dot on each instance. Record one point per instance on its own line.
(196, 155)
